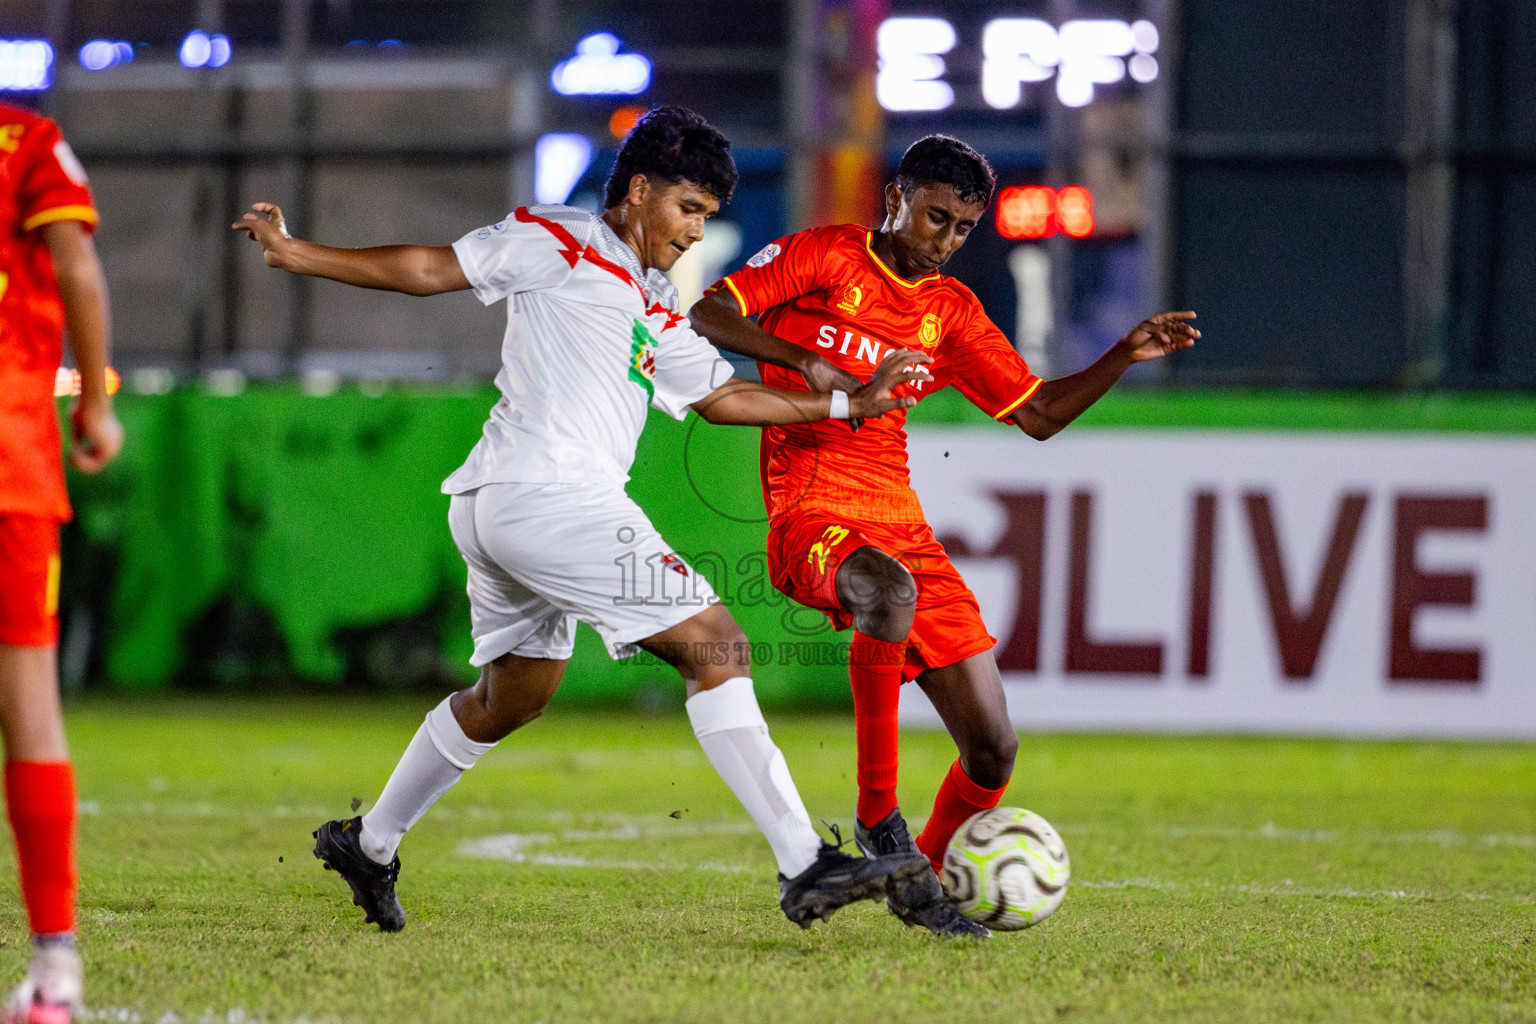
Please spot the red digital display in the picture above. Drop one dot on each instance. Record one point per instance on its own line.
(1037, 211)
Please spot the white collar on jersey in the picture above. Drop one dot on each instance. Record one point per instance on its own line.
(655, 285)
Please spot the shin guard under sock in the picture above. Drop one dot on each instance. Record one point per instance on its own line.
(40, 799)
(874, 670)
(958, 799)
(434, 760)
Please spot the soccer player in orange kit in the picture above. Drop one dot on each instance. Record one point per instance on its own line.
(49, 276)
(846, 532)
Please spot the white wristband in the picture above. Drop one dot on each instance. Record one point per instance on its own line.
(839, 410)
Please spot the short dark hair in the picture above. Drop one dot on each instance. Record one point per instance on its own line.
(943, 160)
(673, 144)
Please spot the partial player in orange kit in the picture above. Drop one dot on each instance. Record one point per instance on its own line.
(847, 534)
(49, 277)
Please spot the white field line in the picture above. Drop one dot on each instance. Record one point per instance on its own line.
(128, 1015)
(1287, 888)
(515, 847)
(1269, 832)
(519, 847)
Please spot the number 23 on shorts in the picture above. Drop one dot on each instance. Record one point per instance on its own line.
(831, 537)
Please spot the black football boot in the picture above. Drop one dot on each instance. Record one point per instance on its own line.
(373, 884)
(920, 900)
(835, 880)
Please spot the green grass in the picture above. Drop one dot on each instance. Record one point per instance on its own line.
(1214, 879)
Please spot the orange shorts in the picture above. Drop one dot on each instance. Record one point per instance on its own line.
(29, 581)
(805, 550)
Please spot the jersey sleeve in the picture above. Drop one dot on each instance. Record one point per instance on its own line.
(526, 252)
(687, 366)
(780, 272)
(988, 370)
(52, 185)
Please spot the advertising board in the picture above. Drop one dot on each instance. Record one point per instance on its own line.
(1296, 583)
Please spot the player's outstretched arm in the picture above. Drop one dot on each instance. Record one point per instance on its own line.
(98, 435)
(747, 403)
(1058, 402)
(412, 269)
(719, 319)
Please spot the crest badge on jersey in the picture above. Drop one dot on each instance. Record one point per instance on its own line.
(642, 359)
(849, 303)
(930, 330)
(765, 255)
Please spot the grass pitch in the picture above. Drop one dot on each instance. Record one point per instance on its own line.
(593, 868)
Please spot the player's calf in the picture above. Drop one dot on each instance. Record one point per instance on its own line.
(512, 691)
(707, 650)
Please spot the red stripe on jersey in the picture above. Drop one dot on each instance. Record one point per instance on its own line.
(572, 250)
(592, 256)
(673, 319)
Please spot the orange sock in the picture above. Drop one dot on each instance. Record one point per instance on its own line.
(958, 799)
(40, 799)
(874, 669)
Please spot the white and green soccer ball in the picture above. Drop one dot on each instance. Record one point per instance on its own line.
(1007, 868)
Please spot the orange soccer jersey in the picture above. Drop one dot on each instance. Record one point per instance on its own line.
(824, 289)
(41, 182)
(830, 490)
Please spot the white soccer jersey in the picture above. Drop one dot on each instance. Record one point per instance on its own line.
(591, 341)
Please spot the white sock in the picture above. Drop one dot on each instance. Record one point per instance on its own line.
(730, 728)
(433, 761)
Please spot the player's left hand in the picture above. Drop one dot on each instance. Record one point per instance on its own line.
(1159, 335)
(900, 366)
(98, 437)
(822, 376)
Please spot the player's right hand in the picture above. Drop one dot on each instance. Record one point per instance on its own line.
(265, 226)
(900, 366)
(98, 437)
(822, 376)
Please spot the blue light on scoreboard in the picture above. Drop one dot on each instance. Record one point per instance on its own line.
(26, 65)
(1080, 55)
(100, 54)
(599, 69)
(200, 50)
(559, 161)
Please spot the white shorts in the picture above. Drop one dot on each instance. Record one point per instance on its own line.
(542, 556)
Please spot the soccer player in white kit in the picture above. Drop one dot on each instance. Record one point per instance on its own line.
(539, 512)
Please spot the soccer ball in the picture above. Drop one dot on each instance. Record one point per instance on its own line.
(1007, 868)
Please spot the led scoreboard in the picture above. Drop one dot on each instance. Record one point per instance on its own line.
(1080, 55)
(1037, 211)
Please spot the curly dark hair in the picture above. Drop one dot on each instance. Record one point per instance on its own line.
(673, 144)
(943, 160)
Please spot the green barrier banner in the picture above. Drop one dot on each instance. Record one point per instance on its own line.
(275, 535)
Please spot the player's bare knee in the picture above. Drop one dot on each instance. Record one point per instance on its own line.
(889, 625)
(989, 761)
(725, 644)
(879, 592)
